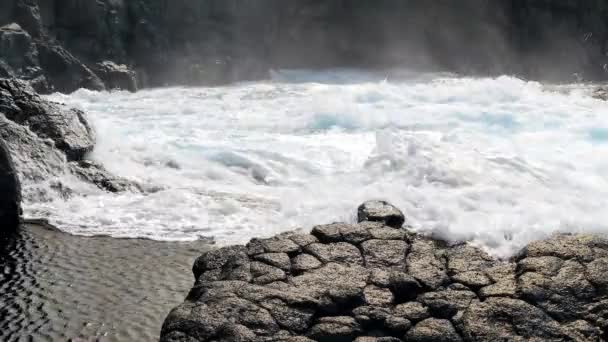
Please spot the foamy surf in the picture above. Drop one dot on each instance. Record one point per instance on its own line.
(499, 162)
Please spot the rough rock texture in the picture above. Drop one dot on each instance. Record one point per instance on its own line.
(215, 41)
(47, 140)
(371, 282)
(116, 76)
(380, 211)
(67, 128)
(10, 201)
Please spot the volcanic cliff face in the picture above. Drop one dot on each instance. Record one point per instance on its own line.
(214, 41)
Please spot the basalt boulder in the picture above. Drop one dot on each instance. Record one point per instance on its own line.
(373, 282)
(48, 141)
(116, 76)
(66, 127)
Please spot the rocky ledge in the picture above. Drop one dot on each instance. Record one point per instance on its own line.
(376, 282)
(41, 141)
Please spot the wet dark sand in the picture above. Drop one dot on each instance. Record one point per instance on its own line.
(57, 287)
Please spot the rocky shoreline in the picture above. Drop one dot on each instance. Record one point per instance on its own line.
(40, 141)
(376, 281)
(70, 44)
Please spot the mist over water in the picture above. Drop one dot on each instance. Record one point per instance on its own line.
(499, 161)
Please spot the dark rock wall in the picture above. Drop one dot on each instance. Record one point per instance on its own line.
(10, 201)
(211, 41)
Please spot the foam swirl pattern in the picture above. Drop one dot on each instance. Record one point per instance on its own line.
(497, 161)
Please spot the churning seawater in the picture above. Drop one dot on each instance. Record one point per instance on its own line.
(497, 161)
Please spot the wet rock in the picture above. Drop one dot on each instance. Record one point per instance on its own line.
(342, 232)
(397, 325)
(265, 274)
(95, 173)
(116, 76)
(68, 128)
(380, 211)
(10, 188)
(281, 244)
(19, 57)
(63, 70)
(336, 286)
(404, 285)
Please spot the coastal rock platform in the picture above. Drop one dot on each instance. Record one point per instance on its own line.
(372, 282)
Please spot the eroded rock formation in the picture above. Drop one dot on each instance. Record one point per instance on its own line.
(371, 282)
(46, 140)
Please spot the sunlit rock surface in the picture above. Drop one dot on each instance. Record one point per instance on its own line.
(372, 282)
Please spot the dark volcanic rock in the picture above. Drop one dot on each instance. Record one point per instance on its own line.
(63, 70)
(47, 141)
(95, 173)
(10, 200)
(381, 211)
(212, 42)
(116, 76)
(345, 283)
(67, 128)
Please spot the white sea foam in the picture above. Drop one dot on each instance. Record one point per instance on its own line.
(499, 161)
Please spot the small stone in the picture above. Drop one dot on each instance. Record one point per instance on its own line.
(335, 252)
(280, 244)
(385, 253)
(374, 295)
(413, 311)
(404, 286)
(433, 330)
(305, 262)
(335, 327)
(280, 260)
(380, 277)
(505, 288)
(382, 233)
(472, 279)
(328, 232)
(265, 274)
(397, 324)
(381, 211)
(302, 240)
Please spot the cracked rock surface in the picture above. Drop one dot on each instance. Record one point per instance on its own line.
(372, 282)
